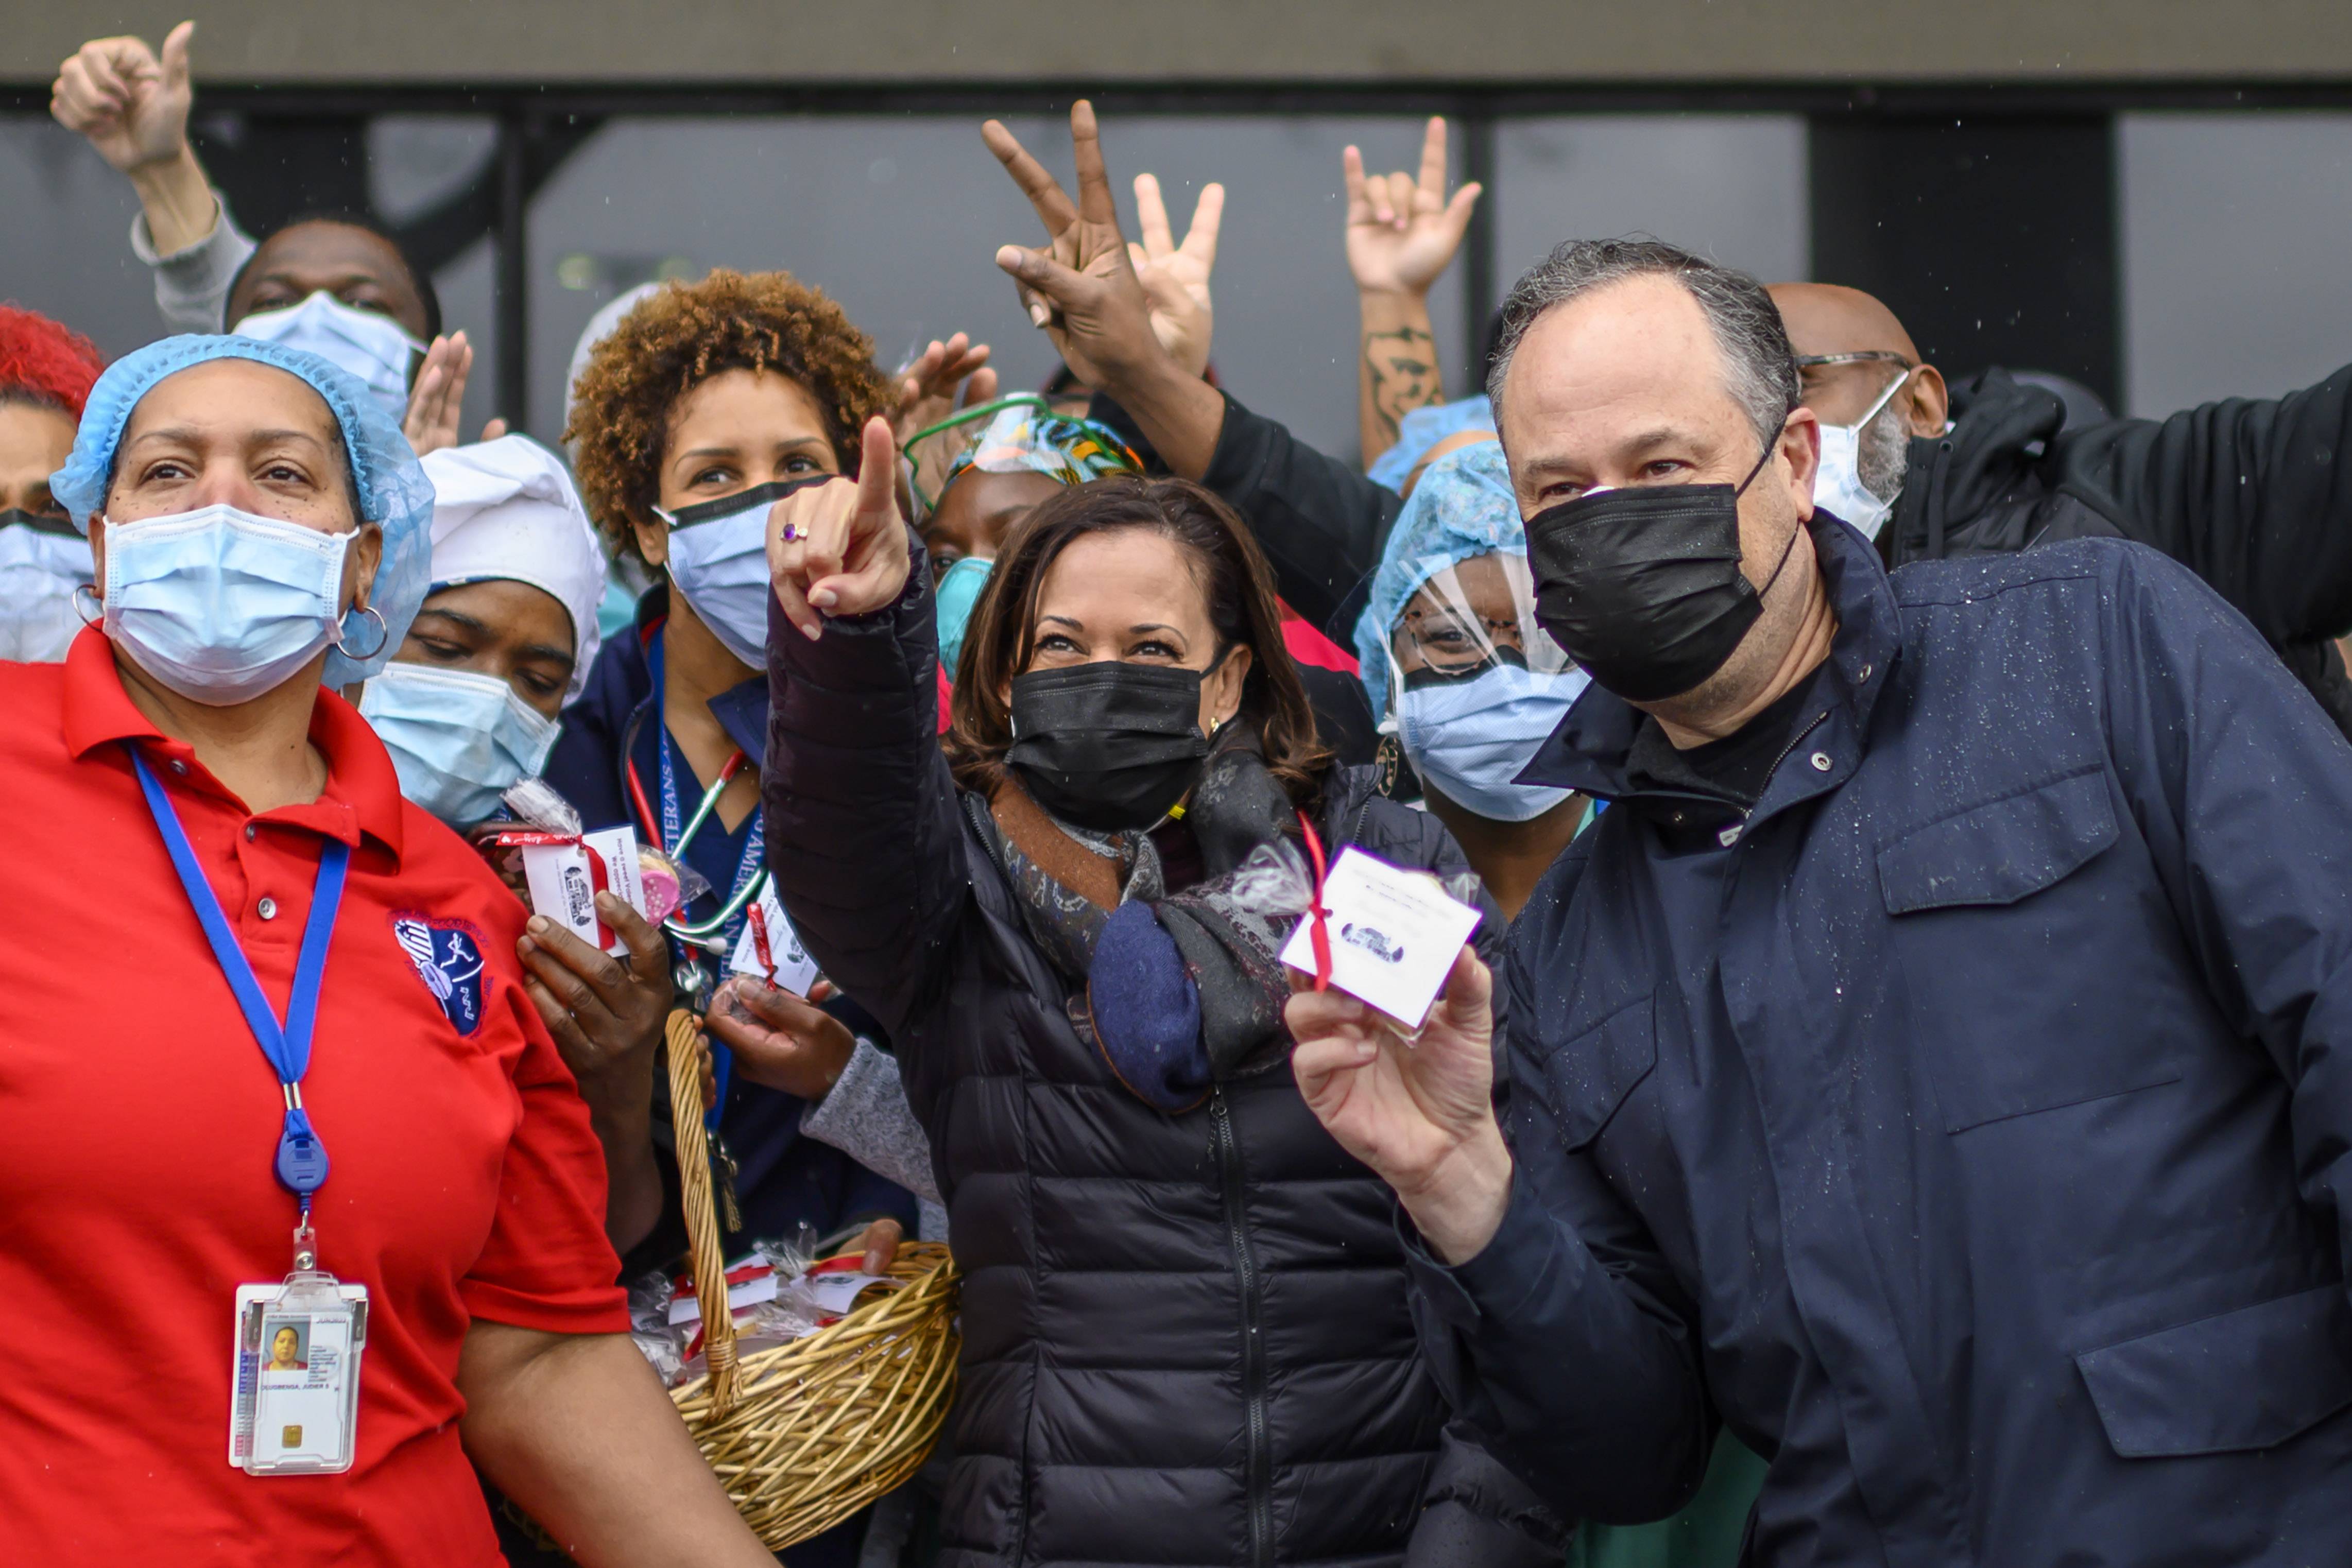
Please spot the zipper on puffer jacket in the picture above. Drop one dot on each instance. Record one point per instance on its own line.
(1259, 1474)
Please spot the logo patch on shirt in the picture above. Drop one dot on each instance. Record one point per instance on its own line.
(447, 957)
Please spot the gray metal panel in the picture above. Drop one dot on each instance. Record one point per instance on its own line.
(1731, 187)
(66, 249)
(468, 41)
(900, 218)
(2235, 231)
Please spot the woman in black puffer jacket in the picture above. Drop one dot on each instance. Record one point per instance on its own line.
(1185, 1333)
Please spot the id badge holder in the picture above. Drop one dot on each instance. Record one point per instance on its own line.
(299, 1345)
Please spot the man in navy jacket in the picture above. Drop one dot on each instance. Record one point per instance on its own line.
(1935, 1065)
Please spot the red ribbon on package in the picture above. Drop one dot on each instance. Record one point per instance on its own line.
(599, 879)
(1320, 932)
(760, 943)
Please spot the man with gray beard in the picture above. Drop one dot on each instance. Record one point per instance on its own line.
(2250, 493)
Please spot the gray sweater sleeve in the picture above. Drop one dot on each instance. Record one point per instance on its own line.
(867, 1118)
(191, 283)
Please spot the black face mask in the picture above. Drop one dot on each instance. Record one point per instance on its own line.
(1108, 745)
(1643, 587)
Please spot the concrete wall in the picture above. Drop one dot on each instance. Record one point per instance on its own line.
(684, 41)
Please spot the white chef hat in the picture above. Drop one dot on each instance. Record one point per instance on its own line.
(507, 510)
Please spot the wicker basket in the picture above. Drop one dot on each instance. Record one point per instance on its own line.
(804, 1435)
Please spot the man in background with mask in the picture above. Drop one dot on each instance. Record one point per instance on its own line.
(338, 286)
(1937, 1065)
(2250, 493)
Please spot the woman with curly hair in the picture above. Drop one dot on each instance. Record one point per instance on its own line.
(45, 371)
(708, 401)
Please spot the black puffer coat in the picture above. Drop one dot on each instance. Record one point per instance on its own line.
(2253, 494)
(1185, 1338)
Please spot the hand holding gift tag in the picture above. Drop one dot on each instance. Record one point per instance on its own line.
(1393, 935)
(565, 873)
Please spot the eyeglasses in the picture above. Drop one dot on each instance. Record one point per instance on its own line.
(1859, 357)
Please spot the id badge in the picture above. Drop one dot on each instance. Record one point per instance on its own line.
(298, 1350)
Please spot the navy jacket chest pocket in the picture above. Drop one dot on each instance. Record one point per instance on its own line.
(2000, 916)
(1588, 1076)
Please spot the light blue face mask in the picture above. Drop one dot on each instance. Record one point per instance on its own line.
(958, 590)
(221, 605)
(458, 740)
(42, 562)
(718, 562)
(1469, 738)
(372, 348)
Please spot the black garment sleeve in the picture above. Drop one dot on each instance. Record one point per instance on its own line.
(2242, 795)
(1475, 1512)
(1566, 1344)
(2254, 495)
(1320, 522)
(864, 838)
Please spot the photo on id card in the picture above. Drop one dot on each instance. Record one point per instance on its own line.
(299, 1348)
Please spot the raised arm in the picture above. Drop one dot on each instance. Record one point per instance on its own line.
(2253, 495)
(864, 839)
(1320, 521)
(132, 103)
(1402, 233)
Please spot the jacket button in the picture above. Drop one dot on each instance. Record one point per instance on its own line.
(1866, 674)
(267, 908)
(250, 830)
(178, 766)
(1820, 762)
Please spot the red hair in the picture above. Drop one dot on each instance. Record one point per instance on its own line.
(46, 361)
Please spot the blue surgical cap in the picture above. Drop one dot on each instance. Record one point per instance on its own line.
(1422, 429)
(394, 492)
(1462, 507)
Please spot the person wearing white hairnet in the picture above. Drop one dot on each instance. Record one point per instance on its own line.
(467, 708)
(260, 1009)
(506, 634)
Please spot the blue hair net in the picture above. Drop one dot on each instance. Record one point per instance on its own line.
(394, 492)
(1422, 429)
(1462, 507)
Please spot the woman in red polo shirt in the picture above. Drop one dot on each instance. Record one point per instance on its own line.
(267, 1046)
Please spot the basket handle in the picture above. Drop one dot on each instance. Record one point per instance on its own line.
(686, 1051)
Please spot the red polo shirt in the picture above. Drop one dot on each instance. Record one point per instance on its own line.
(138, 1119)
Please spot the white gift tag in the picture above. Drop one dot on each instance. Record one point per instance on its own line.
(753, 1291)
(1395, 934)
(837, 1293)
(563, 886)
(795, 970)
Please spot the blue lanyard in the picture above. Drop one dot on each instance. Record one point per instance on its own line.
(301, 1157)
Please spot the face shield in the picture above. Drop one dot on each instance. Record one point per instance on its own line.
(1015, 435)
(1475, 687)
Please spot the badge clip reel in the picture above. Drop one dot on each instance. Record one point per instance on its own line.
(298, 1341)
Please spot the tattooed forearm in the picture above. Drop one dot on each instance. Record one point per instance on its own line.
(1401, 366)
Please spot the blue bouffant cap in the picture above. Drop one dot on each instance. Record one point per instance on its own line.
(394, 492)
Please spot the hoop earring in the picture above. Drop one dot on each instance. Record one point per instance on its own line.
(383, 637)
(74, 598)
